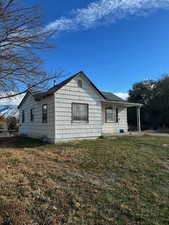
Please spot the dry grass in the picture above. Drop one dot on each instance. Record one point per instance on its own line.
(99, 182)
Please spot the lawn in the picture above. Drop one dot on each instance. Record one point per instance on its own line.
(123, 180)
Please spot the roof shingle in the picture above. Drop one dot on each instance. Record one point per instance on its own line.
(38, 96)
(111, 97)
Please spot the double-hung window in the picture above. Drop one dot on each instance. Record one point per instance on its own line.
(23, 116)
(32, 115)
(44, 113)
(111, 115)
(80, 112)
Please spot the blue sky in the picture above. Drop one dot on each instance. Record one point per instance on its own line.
(115, 45)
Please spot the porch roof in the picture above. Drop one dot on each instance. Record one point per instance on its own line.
(114, 99)
(124, 103)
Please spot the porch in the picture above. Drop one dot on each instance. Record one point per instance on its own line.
(114, 117)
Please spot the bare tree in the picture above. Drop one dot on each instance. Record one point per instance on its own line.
(21, 37)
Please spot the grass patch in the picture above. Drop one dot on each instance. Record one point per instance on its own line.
(124, 180)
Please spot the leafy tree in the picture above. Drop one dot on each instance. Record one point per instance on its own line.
(159, 106)
(155, 97)
(143, 93)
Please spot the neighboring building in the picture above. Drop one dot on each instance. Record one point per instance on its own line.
(3, 124)
(73, 109)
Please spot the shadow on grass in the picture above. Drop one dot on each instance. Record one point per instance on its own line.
(20, 142)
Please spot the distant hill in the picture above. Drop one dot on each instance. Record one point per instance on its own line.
(9, 111)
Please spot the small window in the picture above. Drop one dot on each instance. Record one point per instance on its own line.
(32, 115)
(80, 112)
(23, 116)
(44, 113)
(111, 115)
(79, 83)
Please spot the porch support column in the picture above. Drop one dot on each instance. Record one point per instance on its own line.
(138, 119)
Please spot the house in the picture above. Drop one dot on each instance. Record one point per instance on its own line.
(73, 109)
(3, 124)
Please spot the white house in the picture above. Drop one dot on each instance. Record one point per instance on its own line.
(73, 109)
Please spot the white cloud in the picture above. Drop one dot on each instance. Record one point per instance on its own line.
(102, 12)
(122, 95)
(11, 101)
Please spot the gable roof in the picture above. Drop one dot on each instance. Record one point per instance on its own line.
(52, 90)
(40, 95)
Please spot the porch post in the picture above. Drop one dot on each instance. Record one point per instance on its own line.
(138, 119)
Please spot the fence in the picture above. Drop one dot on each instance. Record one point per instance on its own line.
(8, 132)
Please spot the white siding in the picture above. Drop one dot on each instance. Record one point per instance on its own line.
(60, 126)
(36, 128)
(71, 93)
(115, 127)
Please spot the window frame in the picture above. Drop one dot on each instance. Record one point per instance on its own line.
(45, 120)
(79, 83)
(79, 121)
(116, 114)
(32, 117)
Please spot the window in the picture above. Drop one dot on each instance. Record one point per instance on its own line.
(79, 83)
(23, 116)
(44, 113)
(80, 112)
(111, 115)
(32, 115)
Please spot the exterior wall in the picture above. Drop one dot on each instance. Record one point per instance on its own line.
(115, 127)
(36, 128)
(71, 93)
(60, 126)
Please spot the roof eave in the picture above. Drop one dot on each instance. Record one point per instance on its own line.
(49, 93)
(127, 104)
